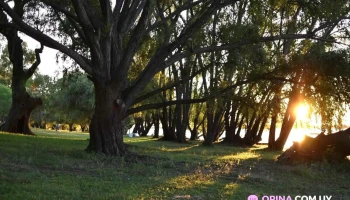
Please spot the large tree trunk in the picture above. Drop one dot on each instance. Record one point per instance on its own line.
(106, 126)
(289, 118)
(22, 103)
(167, 124)
(18, 118)
(275, 110)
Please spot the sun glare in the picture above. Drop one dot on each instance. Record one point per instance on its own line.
(302, 111)
(295, 136)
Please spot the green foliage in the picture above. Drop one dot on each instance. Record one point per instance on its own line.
(326, 74)
(42, 86)
(73, 99)
(319, 71)
(6, 64)
(66, 100)
(5, 101)
(5, 68)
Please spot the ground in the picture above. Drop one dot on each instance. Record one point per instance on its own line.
(54, 165)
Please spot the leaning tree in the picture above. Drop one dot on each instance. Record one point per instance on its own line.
(113, 33)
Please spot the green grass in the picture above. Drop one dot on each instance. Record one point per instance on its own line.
(54, 165)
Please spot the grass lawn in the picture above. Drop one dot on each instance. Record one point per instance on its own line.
(54, 165)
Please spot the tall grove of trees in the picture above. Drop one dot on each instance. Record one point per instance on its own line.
(106, 37)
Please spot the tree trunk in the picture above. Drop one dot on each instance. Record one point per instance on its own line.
(194, 131)
(208, 139)
(83, 127)
(272, 132)
(261, 130)
(289, 119)
(70, 127)
(194, 134)
(136, 125)
(247, 139)
(106, 126)
(229, 119)
(285, 131)
(148, 123)
(156, 125)
(168, 130)
(22, 103)
(43, 125)
(238, 139)
(18, 118)
(276, 102)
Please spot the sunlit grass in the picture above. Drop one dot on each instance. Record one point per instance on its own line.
(54, 165)
(61, 134)
(241, 156)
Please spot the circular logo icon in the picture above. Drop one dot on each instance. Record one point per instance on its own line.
(253, 197)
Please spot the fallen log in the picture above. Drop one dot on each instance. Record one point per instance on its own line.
(332, 147)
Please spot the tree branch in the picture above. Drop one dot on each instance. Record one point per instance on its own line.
(163, 104)
(159, 90)
(92, 14)
(60, 9)
(157, 62)
(178, 56)
(134, 43)
(106, 11)
(222, 93)
(46, 40)
(185, 6)
(83, 20)
(75, 26)
(130, 14)
(37, 62)
(116, 12)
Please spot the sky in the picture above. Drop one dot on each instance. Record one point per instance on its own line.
(48, 65)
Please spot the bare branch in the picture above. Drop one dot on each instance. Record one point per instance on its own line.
(157, 62)
(116, 11)
(94, 16)
(106, 10)
(178, 56)
(134, 42)
(185, 6)
(75, 26)
(83, 19)
(130, 14)
(46, 40)
(37, 62)
(159, 90)
(163, 104)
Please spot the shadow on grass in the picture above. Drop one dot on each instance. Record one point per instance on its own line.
(227, 172)
(46, 167)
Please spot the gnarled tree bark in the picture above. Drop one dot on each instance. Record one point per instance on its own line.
(22, 103)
